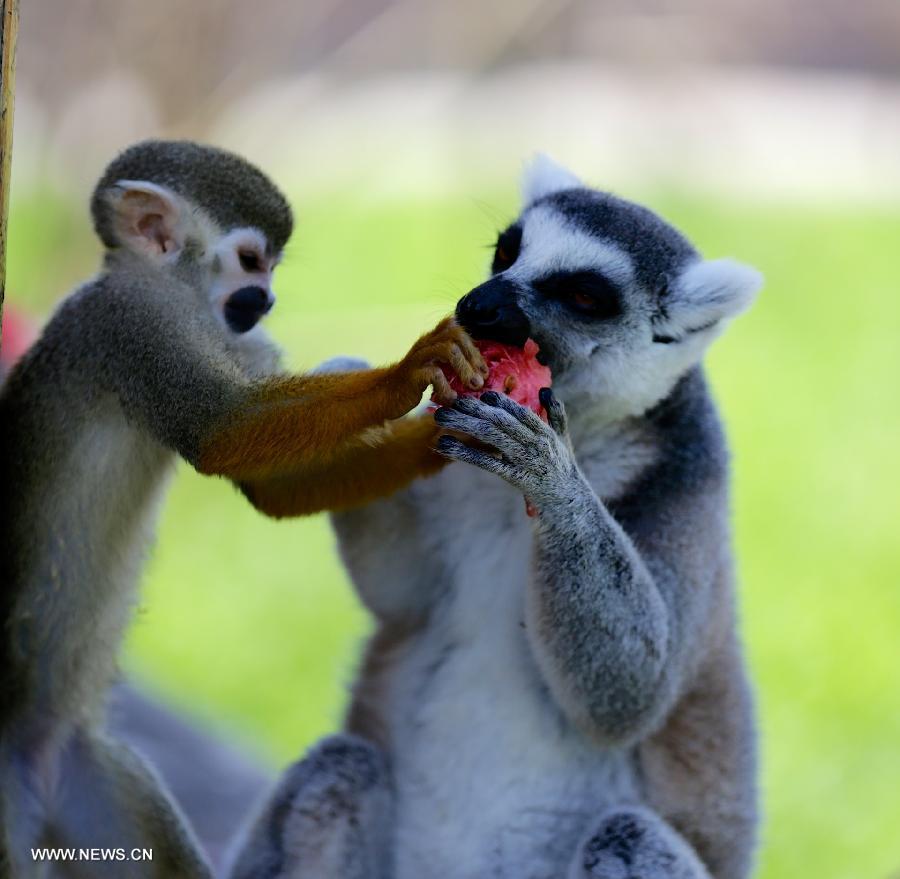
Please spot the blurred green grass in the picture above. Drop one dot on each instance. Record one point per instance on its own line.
(253, 622)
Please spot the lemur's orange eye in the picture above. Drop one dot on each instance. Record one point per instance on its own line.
(584, 300)
(250, 261)
(506, 250)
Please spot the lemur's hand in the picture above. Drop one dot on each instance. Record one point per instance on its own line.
(535, 457)
(447, 343)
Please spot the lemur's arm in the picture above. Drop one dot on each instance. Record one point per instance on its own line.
(615, 630)
(322, 434)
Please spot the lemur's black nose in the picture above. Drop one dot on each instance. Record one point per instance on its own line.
(244, 308)
(492, 312)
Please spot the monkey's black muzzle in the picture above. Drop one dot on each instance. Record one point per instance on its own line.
(492, 312)
(246, 307)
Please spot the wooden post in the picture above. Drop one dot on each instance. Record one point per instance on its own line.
(9, 9)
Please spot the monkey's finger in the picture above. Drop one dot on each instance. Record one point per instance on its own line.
(465, 370)
(430, 339)
(483, 431)
(442, 392)
(556, 412)
(440, 331)
(450, 354)
(495, 416)
(522, 414)
(434, 352)
(470, 349)
(455, 450)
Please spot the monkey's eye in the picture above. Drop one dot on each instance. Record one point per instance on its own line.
(250, 261)
(509, 243)
(588, 293)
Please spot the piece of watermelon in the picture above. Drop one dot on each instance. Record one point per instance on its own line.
(512, 371)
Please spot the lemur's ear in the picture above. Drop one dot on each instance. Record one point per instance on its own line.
(543, 176)
(147, 217)
(708, 291)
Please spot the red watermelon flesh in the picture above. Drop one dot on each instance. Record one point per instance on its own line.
(512, 371)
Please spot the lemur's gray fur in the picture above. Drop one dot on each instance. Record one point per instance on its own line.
(133, 367)
(562, 696)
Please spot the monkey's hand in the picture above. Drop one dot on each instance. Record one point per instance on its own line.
(447, 343)
(535, 457)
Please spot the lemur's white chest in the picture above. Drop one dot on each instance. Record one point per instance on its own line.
(491, 778)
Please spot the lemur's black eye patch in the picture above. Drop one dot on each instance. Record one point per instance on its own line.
(589, 293)
(506, 252)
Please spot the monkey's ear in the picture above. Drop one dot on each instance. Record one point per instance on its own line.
(147, 217)
(708, 291)
(543, 176)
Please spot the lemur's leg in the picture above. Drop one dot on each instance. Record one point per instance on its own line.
(328, 818)
(605, 619)
(634, 843)
(108, 797)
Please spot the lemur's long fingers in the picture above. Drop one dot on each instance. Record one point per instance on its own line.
(452, 448)
(496, 416)
(556, 412)
(521, 413)
(477, 428)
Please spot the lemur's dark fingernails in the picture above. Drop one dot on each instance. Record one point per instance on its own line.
(545, 395)
(492, 398)
(476, 382)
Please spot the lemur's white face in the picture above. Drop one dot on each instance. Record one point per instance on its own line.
(619, 302)
(234, 266)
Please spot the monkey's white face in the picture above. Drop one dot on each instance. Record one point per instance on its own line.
(234, 265)
(241, 270)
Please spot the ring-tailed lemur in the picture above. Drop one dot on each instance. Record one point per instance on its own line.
(562, 696)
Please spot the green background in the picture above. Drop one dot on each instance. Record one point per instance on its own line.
(252, 624)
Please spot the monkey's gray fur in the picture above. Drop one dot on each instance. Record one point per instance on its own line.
(563, 696)
(230, 190)
(135, 366)
(214, 779)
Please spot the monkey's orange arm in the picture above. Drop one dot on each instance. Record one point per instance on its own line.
(292, 424)
(286, 422)
(374, 464)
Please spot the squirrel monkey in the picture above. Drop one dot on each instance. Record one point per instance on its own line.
(161, 354)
